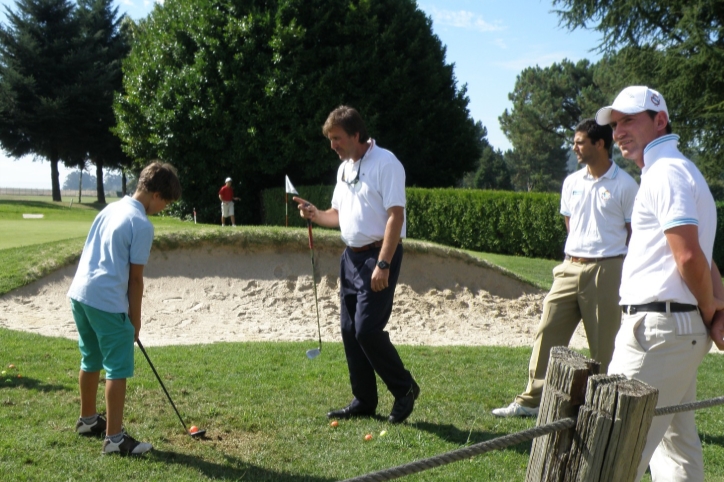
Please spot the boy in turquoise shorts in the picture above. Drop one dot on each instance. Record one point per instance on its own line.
(105, 298)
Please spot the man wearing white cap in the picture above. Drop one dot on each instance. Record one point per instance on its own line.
(226, 196)
(671, 290)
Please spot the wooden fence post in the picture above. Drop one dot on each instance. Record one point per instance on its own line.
(564, 392)
(610, 431)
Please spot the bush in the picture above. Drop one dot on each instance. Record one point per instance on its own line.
(526, 224)
(274, 211)
(501, 222)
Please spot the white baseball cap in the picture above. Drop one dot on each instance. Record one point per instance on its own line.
(228, 179)
(632, 100)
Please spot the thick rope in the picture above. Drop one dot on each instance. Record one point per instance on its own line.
(507, 441)
(466, 452)
(686, 407)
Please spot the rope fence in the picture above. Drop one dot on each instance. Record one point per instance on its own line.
(506, 441)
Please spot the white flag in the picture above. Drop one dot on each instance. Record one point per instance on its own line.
(289, 188)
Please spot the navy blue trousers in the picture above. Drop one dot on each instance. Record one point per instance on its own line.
(364, 315)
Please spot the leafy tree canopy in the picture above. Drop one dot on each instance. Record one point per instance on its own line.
(241, 88)
(674, 46)
(547, 105)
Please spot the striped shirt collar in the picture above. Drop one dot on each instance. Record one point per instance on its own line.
(611, 173)
(653, 149)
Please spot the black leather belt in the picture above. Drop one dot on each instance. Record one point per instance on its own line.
(658, 307)
(375, 245)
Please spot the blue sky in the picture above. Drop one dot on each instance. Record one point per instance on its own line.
(489, 41)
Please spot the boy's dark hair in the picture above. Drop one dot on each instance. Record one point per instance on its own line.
(596, 132)
(349, 120)
(652, 114)
(160, 177)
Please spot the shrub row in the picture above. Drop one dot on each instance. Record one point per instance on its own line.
(502, 222)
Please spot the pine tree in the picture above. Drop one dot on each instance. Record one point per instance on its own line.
(39, 84)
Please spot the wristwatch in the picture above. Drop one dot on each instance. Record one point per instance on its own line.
(383, 264)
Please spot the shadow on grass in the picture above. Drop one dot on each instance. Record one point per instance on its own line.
(454, 435)
(29, 383)
(709, 439)
(235, 470)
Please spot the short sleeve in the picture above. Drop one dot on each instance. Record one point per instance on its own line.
(141, 243)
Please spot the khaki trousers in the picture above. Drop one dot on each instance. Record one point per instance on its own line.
(665, 350)
(580, 291)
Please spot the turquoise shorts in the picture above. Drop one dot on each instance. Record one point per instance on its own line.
(105, 341)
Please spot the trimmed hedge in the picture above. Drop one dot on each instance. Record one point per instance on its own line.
(274, 211)
(501, 222)
(525, 224)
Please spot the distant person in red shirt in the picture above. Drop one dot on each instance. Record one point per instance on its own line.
(226, 196)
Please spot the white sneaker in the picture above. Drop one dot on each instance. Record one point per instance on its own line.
(515, 410)
(127, 446)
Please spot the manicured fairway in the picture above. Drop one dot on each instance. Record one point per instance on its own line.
(28, 232)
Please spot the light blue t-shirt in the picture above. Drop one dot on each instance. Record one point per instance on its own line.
(121, 235)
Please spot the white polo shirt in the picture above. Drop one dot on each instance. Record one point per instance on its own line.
(363, 206)
(599, 210)
(673, 193)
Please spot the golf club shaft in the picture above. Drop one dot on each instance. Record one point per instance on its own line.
(314, 281)
(143, 350)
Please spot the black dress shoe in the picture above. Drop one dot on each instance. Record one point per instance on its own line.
(351, 410)
(402, 408)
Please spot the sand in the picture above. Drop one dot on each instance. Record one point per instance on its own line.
(230, 294)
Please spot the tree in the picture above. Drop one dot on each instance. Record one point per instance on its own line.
(106, 45)
(676, 47)
(223, 88)
(39, 84)
(492, 171)
(547, 105)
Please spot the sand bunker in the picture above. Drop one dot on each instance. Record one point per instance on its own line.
(214, 294)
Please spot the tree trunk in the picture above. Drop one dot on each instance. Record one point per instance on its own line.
(99, 181)
(55, 178)
(123, 181)
(80, 183)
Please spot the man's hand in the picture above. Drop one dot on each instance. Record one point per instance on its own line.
(716, 330)
(306, 209)
(380, 279)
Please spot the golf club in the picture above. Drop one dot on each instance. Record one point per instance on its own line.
(314, 352)
(199, 433)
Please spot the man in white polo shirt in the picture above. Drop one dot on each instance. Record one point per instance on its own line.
(368, 205)
(596, 203)
(670, 289)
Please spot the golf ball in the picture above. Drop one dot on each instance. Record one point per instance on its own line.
(194, 429)
(333, 423)
(368, 437)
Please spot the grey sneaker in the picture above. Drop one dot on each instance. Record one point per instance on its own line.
(127, 446)
(515, 410)
(93, 429)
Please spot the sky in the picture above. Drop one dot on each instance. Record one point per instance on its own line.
(489, 41)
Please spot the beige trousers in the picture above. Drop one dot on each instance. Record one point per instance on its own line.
(580, 291)
(665, 351)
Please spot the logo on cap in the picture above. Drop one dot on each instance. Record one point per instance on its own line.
(655, 99)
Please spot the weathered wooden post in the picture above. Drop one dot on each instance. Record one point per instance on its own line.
(611, 428)
(565, 391)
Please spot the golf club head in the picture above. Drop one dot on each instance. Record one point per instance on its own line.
(198, 434)
(313, 353)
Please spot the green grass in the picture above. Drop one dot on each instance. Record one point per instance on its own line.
(263, 404)
(535, 271)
